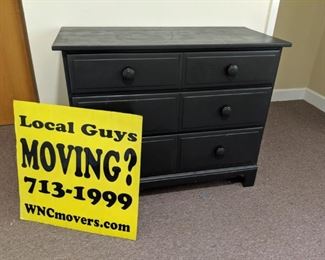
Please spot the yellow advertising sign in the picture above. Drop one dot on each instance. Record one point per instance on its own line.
(79, 168)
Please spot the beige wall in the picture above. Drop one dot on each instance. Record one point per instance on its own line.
(303, 23)
(317, 79)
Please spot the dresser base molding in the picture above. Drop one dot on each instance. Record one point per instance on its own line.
(246, 174)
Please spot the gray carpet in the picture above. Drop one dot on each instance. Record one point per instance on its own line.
(281, 217)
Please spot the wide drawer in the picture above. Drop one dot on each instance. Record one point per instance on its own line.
(159, 111)
(159, 155)
(91, 73)
(213, 150)
(230, 68)
(224, 109)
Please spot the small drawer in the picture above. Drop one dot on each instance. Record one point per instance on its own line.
(211, 150)
(159, 155)
(91, 73)
(224, 109)
(159, 111)
(230, 68)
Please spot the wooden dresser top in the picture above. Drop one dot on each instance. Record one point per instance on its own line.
(163, 38)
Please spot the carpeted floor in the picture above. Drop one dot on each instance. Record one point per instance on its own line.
(281, 217)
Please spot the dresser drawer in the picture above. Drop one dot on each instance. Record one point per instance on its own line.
(159, 111)
(91, 73)
(230, 68)
(224, 109)
(159, 155)
(211, 150)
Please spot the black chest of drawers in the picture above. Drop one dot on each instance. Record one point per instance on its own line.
(203, 92)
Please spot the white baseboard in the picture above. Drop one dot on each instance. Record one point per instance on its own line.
(315, 99)
(288, 94)
(306, 94)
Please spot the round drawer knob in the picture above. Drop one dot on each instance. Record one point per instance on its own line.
(232, 70)
(220, 151)
(225, 111)
(128, 74)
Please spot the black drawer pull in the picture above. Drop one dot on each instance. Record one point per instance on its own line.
(232, 70)
(128, 74)
(220, 151)
(225, 111)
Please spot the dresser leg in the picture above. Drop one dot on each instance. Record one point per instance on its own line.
(249, 179)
